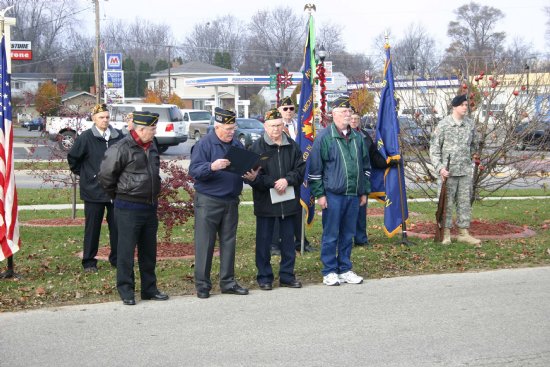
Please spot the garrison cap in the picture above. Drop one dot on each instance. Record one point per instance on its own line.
(287, 101)
(224, 116)
(341, 102)
(273, 114)
(145, 118)
(102, 107)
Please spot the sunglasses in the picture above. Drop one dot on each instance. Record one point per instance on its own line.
(288, 109)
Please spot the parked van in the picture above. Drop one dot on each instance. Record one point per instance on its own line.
(171, 129)
(198, 121)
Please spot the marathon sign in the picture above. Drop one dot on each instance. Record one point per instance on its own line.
(113, 61)
(21, 50)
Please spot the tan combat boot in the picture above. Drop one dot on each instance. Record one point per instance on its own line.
(464, 236)
(446, 236)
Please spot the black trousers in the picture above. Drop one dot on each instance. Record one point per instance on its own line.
(93, 213)
(277, 236)
(215, 217)
(136, 227)
(264, 229)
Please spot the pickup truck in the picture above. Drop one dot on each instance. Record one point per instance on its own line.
(64, 130)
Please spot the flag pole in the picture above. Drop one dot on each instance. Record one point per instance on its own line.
(404, 238)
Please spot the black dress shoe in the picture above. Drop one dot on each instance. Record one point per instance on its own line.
(292, 284)
(236, 289)
(91, 269)
(365, 244)
(307, 248)
(203, 293)
(129, 302)
(155, 297)
(266, 286)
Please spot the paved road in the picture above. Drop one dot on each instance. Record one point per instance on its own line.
(497, 318)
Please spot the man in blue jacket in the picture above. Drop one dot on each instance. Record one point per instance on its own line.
(339, 174)
(216, 204)
(84, 159)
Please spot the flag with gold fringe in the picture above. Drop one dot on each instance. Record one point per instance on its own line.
(388, 185)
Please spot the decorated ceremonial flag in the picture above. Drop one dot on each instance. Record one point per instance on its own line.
(388, 185)
(9, 224)
(306, 126)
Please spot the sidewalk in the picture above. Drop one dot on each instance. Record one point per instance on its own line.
(495, 318)
(420, 200)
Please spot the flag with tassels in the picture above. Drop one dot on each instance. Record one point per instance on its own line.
(388, 185)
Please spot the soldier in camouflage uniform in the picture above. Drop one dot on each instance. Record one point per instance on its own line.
(455, 137)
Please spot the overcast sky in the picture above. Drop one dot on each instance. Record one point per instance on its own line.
(362, 20)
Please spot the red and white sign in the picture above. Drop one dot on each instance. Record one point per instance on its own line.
(21, 55)
(21, 50)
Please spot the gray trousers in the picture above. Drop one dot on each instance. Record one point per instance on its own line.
(459, 189)
(215, 217)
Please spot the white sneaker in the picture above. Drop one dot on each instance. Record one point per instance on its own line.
(350, 277)
(331, 279)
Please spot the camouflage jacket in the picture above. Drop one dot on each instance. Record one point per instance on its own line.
(457, 140)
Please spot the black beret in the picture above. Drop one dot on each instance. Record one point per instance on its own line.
(287, 101)
(342, 102)
(145, 118)
(458, 100)
(224, 116)
(273, 114)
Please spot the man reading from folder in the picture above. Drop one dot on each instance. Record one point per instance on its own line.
(216, 204)
(279, 178)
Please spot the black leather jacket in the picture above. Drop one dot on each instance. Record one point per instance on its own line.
(130, 173)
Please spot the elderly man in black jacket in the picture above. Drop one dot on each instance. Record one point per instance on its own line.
(130, 174)
(84, 159)
(282, 172)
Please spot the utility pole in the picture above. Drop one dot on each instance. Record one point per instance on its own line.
(96, 53)
(169, 69)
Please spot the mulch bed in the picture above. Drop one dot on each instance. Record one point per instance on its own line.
(55, 222)
(165, 250)
(478, 228)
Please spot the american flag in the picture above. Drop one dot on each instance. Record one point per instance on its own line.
(9, 224)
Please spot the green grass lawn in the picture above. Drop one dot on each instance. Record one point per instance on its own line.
(51, 273)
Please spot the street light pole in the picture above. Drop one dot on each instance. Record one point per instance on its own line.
(96, 53)
(527, 69)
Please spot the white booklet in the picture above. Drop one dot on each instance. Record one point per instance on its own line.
(287, 195)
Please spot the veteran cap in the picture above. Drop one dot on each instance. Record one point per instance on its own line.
(341, 102)
(102, 107)
(458, 100)
(224, 116)
(273, 114)
(145, 118)
(287, 101)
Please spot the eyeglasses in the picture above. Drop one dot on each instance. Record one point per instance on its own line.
(288, 109)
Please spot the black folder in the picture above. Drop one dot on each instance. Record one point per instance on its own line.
(243, 160)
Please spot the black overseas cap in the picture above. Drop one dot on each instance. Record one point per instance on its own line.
(341, 102)
(287, 101)
(224, 116)
(145, 118)
(273, 114)
(458, 100)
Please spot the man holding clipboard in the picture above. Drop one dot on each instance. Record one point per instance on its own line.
(216, 204)
(276, 192)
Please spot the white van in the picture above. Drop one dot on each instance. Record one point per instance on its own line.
(171, 129)
(197, 122)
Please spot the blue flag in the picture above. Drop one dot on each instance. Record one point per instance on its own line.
(306, 126)
(388, 185)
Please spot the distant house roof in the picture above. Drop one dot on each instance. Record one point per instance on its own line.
(73, 94)
(33, 76)
(195, 68)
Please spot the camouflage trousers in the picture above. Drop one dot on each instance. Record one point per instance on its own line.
(459, 189)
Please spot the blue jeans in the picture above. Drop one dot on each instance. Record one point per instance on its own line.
(339, 221)
(361, 228)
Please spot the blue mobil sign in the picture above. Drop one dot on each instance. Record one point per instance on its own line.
(113, 61)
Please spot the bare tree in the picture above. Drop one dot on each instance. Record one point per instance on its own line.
(276, 35)
(506, 114)
(223, 34)
(547, 32)
(473, 35)
(415, 53)
(518, 55)
(47, 24)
